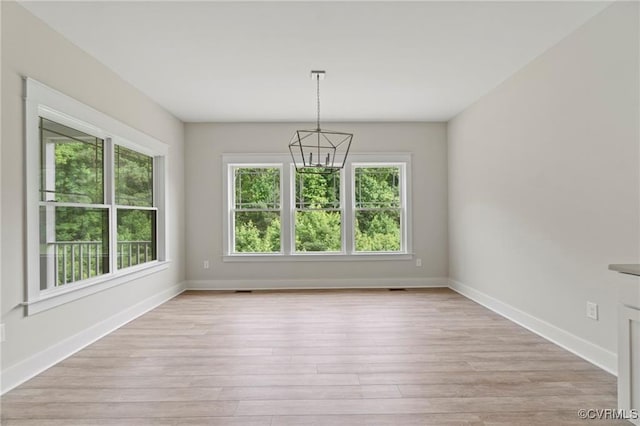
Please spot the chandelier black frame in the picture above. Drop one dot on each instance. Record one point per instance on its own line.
(317, 150)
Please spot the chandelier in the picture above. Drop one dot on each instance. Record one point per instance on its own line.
(317, 150)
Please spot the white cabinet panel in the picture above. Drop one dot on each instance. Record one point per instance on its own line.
(629, 361)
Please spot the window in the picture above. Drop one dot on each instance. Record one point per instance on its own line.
(95, 200)
(318, 215)
(74, 220)
(136, 214)
(276, 213)
(256, 210)
(74, 214)
(378, 208)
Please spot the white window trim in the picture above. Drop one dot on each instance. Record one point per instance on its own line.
(405, 170)
(230, 211)
(43, 101)
(288, 208)
(344, 237)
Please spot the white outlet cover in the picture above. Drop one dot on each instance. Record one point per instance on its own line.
(592, 310)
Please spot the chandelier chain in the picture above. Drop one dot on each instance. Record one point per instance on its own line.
(318, 97)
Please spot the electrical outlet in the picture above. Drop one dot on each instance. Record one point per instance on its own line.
(205, 264)
(2, 337)
(592, 310)
(418, 263)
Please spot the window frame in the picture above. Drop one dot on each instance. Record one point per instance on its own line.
(232, 210)
(43, 101)
(288, 208)
(119, 207)
(294, 209)
(404, 234)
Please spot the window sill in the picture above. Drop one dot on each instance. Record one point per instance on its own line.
(316, 257)
(51, 298)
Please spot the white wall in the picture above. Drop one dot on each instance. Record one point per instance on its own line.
(30, 48)
(544, 185)
(205, 144)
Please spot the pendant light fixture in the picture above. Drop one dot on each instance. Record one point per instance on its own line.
(317, 150)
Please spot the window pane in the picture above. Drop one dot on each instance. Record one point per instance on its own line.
(136, 237)
(318, 231)
(71, 165)
(257, 188)
(377, 187)
(134, 177)
(378, 230)
(257, 232)
(317, 191)
(74, 244)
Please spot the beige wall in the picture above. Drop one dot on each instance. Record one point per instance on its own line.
(30, 48)
(544, 182)
(205, 144)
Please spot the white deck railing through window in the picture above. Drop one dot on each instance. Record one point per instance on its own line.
(80, 260)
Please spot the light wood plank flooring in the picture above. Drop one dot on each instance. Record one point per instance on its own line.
(344, 357)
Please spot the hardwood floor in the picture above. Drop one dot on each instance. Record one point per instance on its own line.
(344, 357)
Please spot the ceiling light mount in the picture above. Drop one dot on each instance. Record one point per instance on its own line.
(317, 150)
(317, 75)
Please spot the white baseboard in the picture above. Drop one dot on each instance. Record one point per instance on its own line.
(584, 349)
(316, 284)
(30, 367)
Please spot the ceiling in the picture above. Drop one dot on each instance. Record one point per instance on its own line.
(250, 61)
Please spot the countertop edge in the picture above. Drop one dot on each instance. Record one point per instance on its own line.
(626, 268)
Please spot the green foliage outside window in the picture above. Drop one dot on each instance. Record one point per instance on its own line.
(318, 231)
(257, 210)
(71, 165)
(378, 231)
(257, 232)
(134, 177)
(76, 235)
(318, 216)
(378, 204)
